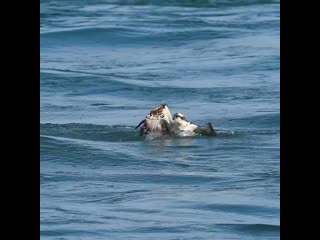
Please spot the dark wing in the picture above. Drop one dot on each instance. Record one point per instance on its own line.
(206, 130)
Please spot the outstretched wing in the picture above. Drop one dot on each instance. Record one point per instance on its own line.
(158, 120)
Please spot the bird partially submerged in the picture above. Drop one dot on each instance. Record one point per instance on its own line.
(159, 121)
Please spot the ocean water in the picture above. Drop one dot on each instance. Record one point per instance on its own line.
(105, 64)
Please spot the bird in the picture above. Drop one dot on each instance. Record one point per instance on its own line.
(160, 121)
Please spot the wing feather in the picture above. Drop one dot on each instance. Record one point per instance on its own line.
(158, 120)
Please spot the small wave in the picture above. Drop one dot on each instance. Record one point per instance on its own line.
(262, 122)
(262, 228)
(78, 32)
(238, 208)
(133, 36)
(226, 133)
(115, 133)
(194, 4)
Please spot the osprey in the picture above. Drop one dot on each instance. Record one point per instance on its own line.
(159, 121)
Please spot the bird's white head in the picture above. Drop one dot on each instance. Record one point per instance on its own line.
(179, 118)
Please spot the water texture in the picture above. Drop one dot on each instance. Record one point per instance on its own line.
(104, 65)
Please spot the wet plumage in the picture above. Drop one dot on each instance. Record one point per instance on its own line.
(160, 121)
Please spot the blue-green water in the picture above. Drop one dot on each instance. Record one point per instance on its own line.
(104, 65)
